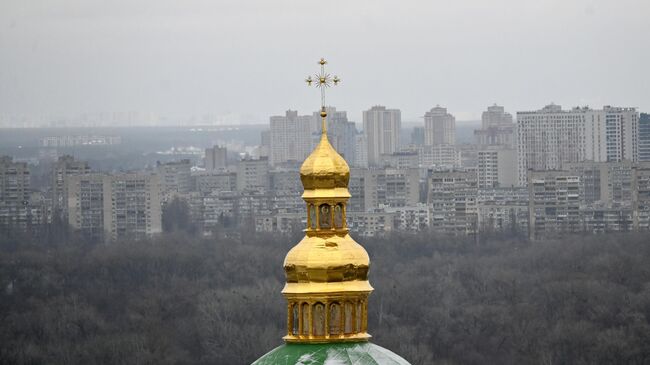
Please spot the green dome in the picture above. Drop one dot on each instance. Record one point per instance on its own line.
(343, 353)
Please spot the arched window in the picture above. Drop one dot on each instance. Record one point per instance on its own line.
(335, 319)
(348, 318)
(295, 319)
(338, 215)
(312, 216)
(359, 316)
(305, 319)
(325, 217)
(318, 319)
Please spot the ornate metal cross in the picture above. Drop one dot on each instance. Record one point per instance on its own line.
(322, 81)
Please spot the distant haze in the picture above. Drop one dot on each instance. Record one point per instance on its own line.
(250, 57)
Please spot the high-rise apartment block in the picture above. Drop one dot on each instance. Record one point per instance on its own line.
(439, 127)
(85, 204)
(497, 167)
(612, 134)
(291, 137)
(497, 128)
(381, 127)
(550, 138)
(641, 197)
(116, 206)
(14, 193)
(503, 210)
(391, 187)
(589, 197)
(605, 183)
(356, 186)
(65, 166)
(452, 198)
(441, 155)
(371, 223)
(132, 207)
(361, 150)
(207, 182)
(553, 202)
(644, 137)
(175, 177)
(216, 158)
(253, 174)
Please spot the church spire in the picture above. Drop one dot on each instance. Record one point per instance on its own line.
(327, 272)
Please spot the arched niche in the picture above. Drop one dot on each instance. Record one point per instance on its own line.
(305, 319)
(359, 315)
(325, 216)
(295, 319)
(312, 216)
(318, 320)
(338, 216)
(348, 326)
(335, 319)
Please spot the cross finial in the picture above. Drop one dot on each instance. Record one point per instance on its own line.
(322, 81)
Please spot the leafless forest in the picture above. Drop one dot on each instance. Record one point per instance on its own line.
(182, 299)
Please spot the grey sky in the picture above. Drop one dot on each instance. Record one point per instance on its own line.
(194, 57)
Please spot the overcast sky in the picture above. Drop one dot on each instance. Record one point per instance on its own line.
(250, 57)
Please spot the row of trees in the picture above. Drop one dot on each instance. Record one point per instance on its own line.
(181, 299)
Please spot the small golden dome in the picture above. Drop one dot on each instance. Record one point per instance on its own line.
(325, 169)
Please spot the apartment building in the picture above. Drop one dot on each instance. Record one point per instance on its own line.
(175, 178)
(291, 137)
(132, 205)
(381, 128)
(112, 207)
(644, 137)
(440, 156)
(65, 166)
(553, 203)
(85, 204)
(439, 127)
(452, 198)
(216, 158)
(253, 174)
(14, 193)
(550, 138)
(497, 167)
(391, 187)
(497, 128)
(207, 182)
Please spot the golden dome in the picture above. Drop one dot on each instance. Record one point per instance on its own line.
(325, 169)
(326, 265)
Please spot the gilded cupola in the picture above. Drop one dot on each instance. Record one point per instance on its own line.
(327, 285)
(325, 169)
(327, 271)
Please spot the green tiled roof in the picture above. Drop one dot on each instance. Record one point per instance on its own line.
(352, 353)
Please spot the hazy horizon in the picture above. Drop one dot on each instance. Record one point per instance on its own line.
(249, 58)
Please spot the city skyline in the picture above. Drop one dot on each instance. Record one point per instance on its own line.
(150, 119)
(87, 57)
(172, 192)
